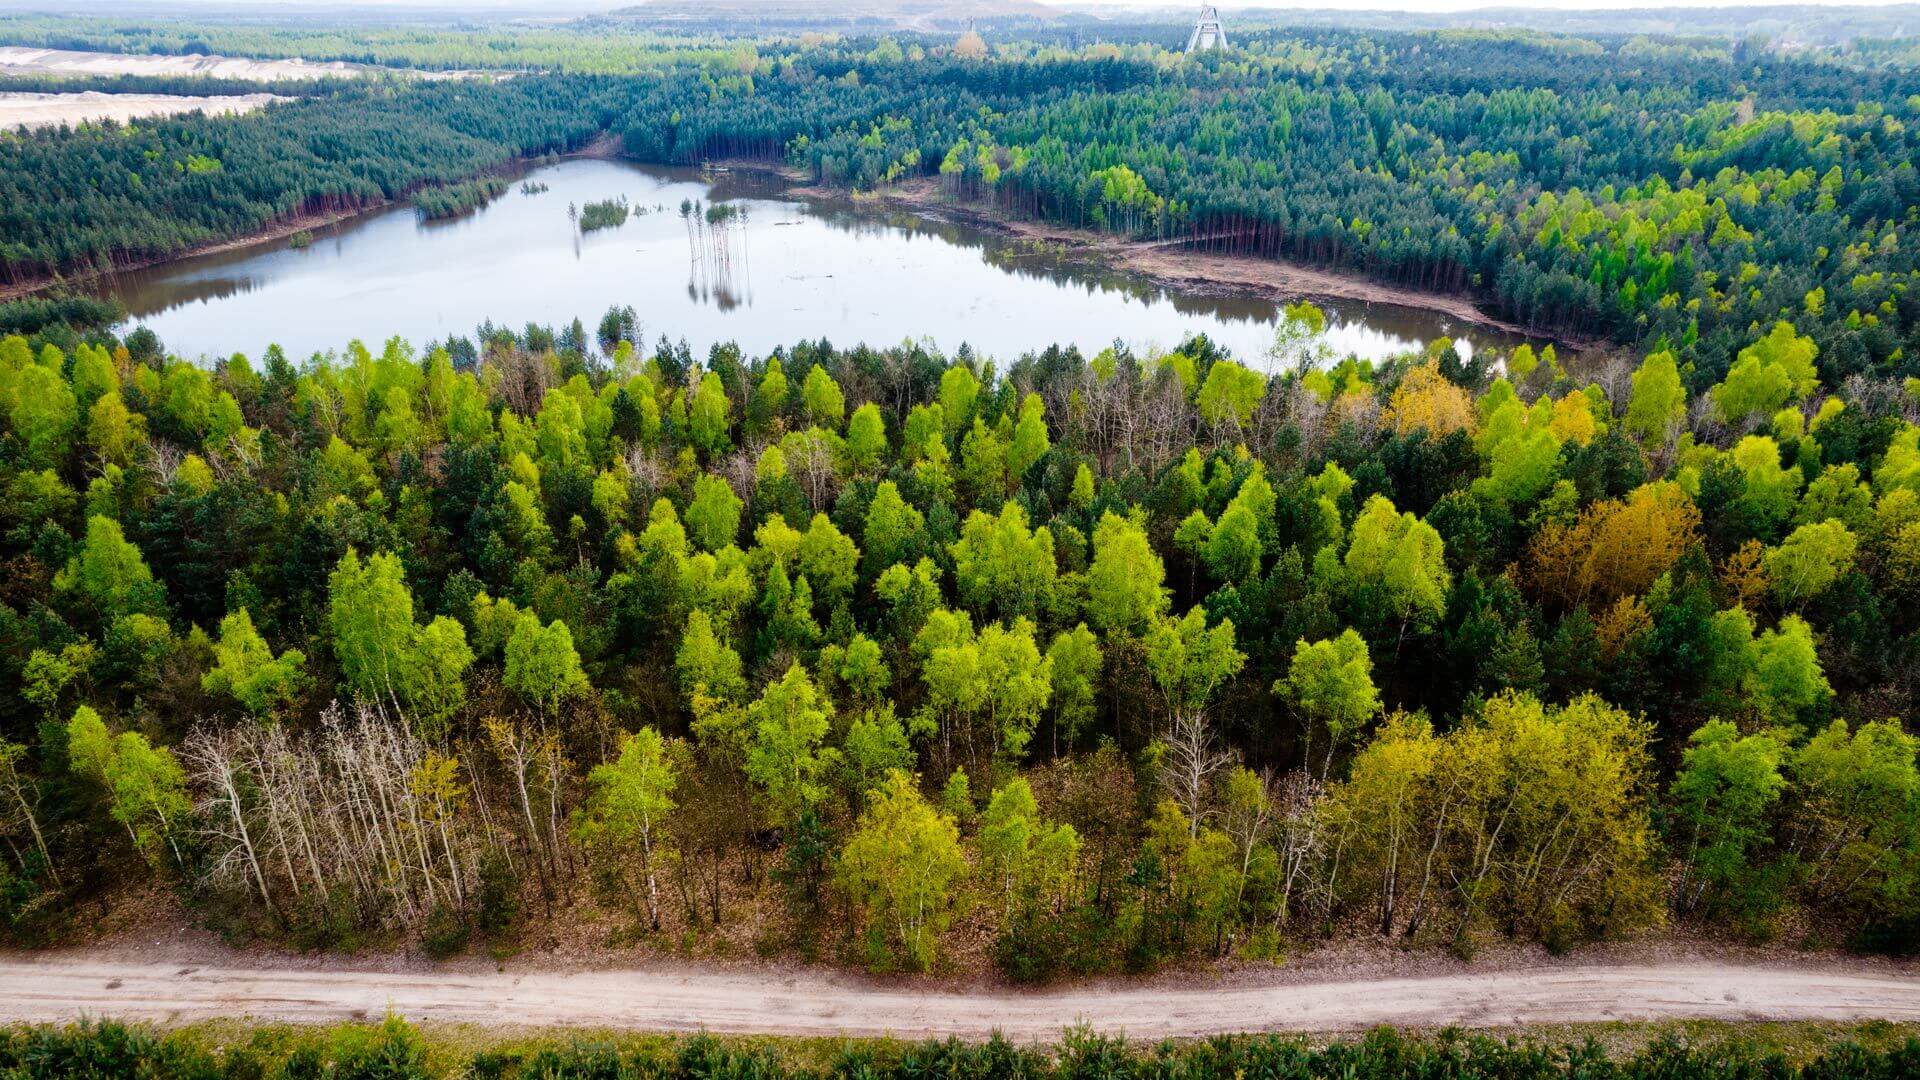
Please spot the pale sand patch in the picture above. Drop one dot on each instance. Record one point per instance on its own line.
(49, 110)
(27, 60)
(21, 60)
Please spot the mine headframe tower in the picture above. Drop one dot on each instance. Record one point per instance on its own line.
(1208, 33)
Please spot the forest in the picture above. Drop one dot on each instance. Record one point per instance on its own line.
(1079, 665)
(1656, 193)
(1047, 665)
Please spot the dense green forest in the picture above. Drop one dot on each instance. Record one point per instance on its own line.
(1655, 194)
(1106, 660)
(395, 1051)
(1064, 663)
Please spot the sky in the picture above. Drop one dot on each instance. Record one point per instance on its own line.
(1225, 5)
(576, 7)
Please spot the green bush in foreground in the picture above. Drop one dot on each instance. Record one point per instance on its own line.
(394, 1050)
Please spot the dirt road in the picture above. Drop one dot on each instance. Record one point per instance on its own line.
(67, 987)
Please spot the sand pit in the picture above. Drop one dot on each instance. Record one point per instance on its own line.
(49, 110)
(20, 60)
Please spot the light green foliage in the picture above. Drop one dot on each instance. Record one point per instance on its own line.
(989, 687)
(983, 464)
(1030, 440)
(1189, 660)
(1331, 683)
(912, 592)
(1031, 859)
(821, 397)
(713, 517)
(1230, 394)
(709, 417)
(1082, 494)
(93, 375)
(611, 497)
(1776, 675)
(1233, 546)
(1767, 374)
(1771, 488)
(1659, 401)
(866, 438)
(89, 744)
(542, 664)
(383, 654)
(494, 621)
(1522, 361)
(149, 791)
(900, 867)
(956, 797)
(925, 424)
(1399, 562)
(115, 432)
(786, 755)
(109, 574)
(41, 410)
(146, 788)
(705, 663)
(1534, 817)
(1522, 465)
(830, 561)
(1837, 494)
(39, 496)
(48, 674)
(859, 666)
(893, 528)
(1722, 798)
(958, 389)
(1003, 566)
(1192, 534)
(628, 802)
(1076, 660)
(1853, 812)
(876, 745)
(1809, 561)
(1124, 583)
(248, 670)
(771, 395)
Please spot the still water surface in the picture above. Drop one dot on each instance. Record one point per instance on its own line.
(788, 269)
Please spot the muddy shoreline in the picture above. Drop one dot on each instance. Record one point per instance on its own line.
(1172, 265)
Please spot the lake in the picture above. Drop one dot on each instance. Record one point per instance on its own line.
(779, 270)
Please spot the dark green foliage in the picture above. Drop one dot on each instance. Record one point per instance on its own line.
(604, 214)
(180, 182)
(456, 199)
(32, 315)
(394, 1051)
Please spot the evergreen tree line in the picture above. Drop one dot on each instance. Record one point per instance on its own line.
(1607, 189)
(107, 195)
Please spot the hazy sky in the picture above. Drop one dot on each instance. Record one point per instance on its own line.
(577, 7)
(570, 6)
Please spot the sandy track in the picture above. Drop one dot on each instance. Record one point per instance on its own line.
(58, 988)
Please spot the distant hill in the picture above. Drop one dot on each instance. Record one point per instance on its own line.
(776, 16)
(1782, 24)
